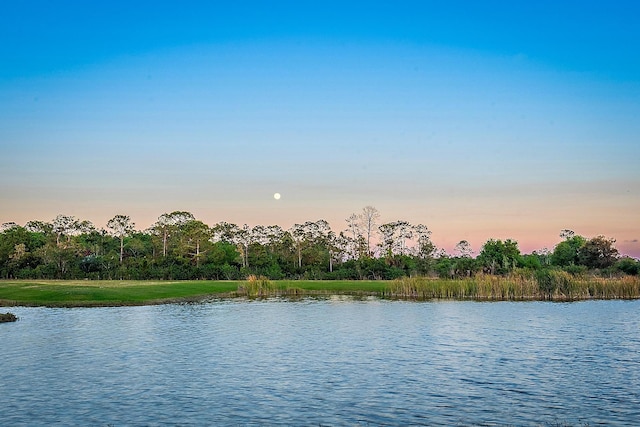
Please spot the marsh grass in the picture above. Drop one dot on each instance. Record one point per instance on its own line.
(554, 285)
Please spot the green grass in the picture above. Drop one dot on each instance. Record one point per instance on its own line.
(69, 293)
(104, 293)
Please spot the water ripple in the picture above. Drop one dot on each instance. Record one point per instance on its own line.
(324, 362)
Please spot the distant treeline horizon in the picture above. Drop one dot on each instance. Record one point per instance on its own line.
(180, 247)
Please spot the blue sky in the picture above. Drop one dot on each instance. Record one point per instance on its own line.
(477, 119)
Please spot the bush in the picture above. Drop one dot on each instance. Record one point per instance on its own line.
(576, 270)
(628, 266)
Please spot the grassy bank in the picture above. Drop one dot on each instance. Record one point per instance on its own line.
(69, 293)
(86, 293)
(558, 286)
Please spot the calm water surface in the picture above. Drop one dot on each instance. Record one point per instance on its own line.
(327, 362)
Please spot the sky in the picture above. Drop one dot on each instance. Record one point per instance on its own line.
(478, 119)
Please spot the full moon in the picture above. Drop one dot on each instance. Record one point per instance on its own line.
(276, 196)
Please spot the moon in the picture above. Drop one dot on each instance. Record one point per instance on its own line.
(276, 196)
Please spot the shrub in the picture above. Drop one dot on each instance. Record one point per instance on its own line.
(628, 266)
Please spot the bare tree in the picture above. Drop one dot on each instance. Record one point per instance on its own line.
(368, 220)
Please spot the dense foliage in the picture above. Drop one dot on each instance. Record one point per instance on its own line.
(180, 247)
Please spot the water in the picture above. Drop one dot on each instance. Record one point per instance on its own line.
(327, 362)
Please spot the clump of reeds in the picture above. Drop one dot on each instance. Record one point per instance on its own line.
(258, 287)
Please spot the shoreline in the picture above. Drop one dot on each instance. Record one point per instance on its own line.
(88, 294)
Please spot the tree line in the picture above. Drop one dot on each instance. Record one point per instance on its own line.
(180, 247)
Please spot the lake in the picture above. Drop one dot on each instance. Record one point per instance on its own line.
(335, 361)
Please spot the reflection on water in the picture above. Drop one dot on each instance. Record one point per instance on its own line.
(324, 362)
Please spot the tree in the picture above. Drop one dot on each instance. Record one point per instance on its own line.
(368, 220)
(244, 238)
(269, 248)
(62, 255)
(13, 248)
(65, 225)
(195, 233)
(394, 237)
(169, 223)
(465, 266)
(323, 239)
(121, 226)
(228, 235)
(39, 227)
(353, 237)
(567, 234)
(598, 252)
(225, 232)
(425, 247)
(464, 249)
(8, 226)
(500, 257)
(298, 233)
(425, 250)
(544, 256)
(566, 252)
(334, 245)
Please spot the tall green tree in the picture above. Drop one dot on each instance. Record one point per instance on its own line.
(168, 224)
(121, 226)
(195, 234)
